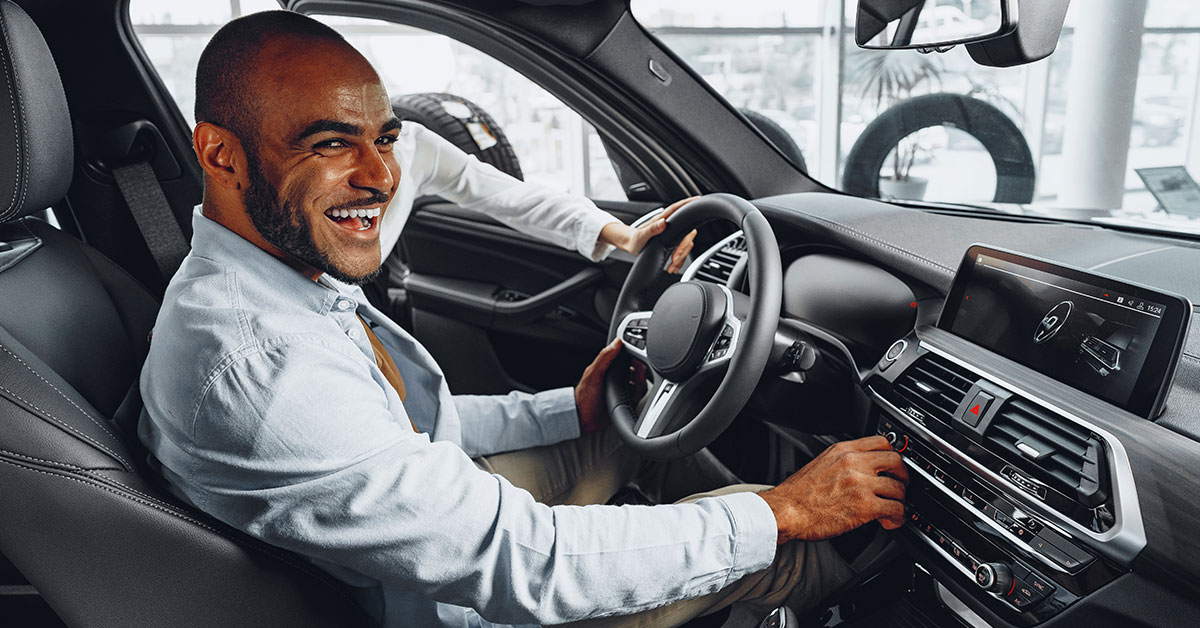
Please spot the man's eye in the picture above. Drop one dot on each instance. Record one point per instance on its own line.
(329, 144)
(386, 140)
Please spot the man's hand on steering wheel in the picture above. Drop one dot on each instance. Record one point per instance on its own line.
(706, 346)
(633, 240)
(589, 393)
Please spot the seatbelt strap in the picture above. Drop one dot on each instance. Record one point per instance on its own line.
(144, 196)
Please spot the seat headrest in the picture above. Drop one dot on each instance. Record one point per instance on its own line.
(36, 150)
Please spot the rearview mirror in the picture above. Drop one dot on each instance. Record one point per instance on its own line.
(932, 24)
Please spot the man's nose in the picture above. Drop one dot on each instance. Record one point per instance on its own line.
(371, 171)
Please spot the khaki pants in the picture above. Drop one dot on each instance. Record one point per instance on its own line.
(590, 469)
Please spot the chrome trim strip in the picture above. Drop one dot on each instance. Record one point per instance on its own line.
(662, 397)
(732, 321)
(1123, 541)
(632, 316)
(689, 273)
(990, 522)
(954, 561)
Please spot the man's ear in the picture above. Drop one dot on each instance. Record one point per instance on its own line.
(220, 154)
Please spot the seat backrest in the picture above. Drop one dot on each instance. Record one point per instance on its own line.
(81, 519)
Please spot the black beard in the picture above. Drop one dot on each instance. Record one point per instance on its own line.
(288, 230)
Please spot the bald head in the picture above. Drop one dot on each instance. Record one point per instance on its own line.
(226, 89)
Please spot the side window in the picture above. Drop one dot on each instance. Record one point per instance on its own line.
(551, 143)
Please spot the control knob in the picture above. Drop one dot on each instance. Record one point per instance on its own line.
(994, 577)
(891, 438)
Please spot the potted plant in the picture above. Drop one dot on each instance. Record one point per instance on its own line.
(886, 79)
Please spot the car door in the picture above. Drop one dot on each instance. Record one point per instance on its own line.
(501, 310)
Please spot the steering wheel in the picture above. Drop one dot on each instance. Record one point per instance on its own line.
(692, 334)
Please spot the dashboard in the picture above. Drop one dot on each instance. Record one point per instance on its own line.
(1044, 491)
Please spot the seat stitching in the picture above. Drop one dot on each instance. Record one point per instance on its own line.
(68, 427)
(10, 82)
(180, 515)
(860, 234)
(35, 459)
(64, 396)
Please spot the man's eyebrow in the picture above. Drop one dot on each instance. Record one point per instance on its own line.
(321, 126)
(390, 125)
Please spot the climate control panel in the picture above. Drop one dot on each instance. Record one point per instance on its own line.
(1020, 564)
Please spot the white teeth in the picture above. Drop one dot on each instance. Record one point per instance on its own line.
(354, 213)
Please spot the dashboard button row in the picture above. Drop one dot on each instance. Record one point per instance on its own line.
(1026, 587)
(1021, 525)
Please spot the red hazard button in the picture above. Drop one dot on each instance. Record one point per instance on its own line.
(977, 408)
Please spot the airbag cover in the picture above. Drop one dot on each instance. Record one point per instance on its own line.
(684, 324)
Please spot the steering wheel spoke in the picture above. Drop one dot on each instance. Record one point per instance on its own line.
(632, 332)
(710, 345)
(726, 342)
(653, 418)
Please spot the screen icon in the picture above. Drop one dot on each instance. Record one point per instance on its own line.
(1120, 299)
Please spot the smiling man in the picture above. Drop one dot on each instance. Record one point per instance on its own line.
(279, 401)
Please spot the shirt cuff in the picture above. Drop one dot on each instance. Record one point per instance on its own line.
(756, 533)
(557, 415)
(588, 244)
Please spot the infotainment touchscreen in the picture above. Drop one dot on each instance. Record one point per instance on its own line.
(1115, 340)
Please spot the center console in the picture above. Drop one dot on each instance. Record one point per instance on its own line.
(1018, 496)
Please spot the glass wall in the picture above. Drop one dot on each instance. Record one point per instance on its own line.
(555, 146)
(796, 62)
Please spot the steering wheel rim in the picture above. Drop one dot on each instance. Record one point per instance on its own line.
(748, 348)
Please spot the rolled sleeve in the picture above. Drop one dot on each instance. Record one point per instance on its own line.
(326, 471)
(497, 423)
(756, 532)
(567, 220)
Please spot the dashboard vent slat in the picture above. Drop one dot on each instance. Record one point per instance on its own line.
(1068, 455)
(719, 266)
(935, 386)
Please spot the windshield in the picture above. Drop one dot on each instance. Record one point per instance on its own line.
(1103, 129)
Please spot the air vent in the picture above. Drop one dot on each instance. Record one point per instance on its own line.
(935, 386)
(1063, 455)
(719, 265)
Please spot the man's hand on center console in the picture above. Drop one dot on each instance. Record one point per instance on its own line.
(849, 484)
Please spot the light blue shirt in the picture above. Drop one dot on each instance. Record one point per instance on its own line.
(265, 408)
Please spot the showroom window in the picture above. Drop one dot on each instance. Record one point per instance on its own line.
(553, 144)
(795, 61)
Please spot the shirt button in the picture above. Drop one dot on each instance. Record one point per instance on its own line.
(344, 304)
(354, 333)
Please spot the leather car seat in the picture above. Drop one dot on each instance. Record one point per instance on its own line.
(80, 516)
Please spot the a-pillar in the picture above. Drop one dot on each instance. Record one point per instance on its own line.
(1106, 49)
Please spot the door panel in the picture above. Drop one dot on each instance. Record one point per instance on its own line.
(503, 311)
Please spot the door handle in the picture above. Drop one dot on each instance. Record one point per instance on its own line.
(480, 303)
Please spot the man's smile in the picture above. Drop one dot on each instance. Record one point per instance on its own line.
(356, 220)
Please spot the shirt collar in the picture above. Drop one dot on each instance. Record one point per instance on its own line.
(260, 270)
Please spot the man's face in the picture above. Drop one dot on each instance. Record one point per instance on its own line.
(320, 168)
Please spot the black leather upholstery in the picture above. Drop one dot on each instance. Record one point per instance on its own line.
(81, 520)
(35, 126)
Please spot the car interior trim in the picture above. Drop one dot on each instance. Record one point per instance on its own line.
(689, 273)
(912, 466)
(1123, 541)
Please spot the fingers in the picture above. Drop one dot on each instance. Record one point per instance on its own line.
(890, 514)
(887, 488)
(884, 463)
(679, 256)
(607, 355)
(870, 443)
